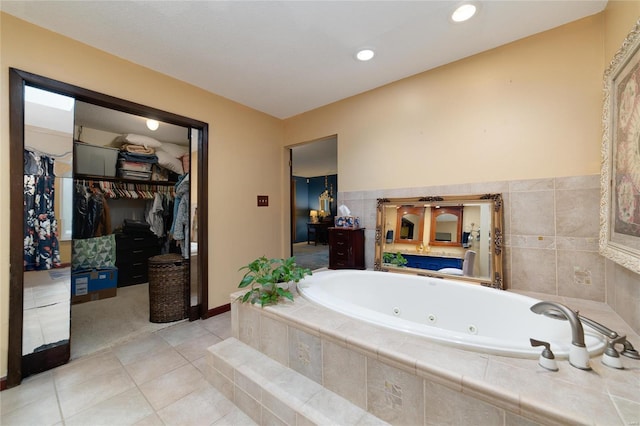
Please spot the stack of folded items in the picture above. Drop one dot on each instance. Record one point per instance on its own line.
(143, 157)
(136, 158)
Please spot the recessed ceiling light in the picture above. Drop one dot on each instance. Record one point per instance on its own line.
(463, 12)
(365, 54)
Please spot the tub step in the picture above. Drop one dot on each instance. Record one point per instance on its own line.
(271, 393)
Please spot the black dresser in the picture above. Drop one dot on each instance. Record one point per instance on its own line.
(133, 251)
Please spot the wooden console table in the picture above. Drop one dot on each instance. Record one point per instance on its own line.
(319, 231)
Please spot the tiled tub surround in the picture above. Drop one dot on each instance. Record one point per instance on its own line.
(404, 379)
(550, 236)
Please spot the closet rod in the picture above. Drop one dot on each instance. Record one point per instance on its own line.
(78, 176)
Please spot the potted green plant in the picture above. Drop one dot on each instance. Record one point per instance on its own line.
(394, 259)
(266, 278)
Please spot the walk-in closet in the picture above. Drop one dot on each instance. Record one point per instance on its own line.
(109, 200)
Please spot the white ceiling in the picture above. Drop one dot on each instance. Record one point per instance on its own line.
(97, 117)
(319, 158)
(287, 57)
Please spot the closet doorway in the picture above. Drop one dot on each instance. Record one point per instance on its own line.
(314, 190)
(111, 185)
(135, 203)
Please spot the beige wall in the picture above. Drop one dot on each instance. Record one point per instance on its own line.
(529, 109)
(619, 19)
(245, 151)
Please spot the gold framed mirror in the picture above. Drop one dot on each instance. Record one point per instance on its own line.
(465, 244)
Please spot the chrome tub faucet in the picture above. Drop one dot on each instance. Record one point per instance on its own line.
(578, 355)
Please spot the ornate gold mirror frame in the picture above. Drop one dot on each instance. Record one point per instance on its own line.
(482, 234)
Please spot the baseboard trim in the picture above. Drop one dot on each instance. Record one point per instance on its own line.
(217, 311)
(3, 383)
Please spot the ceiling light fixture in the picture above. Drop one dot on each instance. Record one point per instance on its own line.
(152, 124)
(365, 55)
(464, 12)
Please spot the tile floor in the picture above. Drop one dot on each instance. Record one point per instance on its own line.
(155, 379)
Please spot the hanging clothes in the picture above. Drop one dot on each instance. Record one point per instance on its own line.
(91, 217)
(181, 217)
(41, 246)
(155, 215)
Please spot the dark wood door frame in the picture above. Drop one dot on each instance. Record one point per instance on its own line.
(18, 79)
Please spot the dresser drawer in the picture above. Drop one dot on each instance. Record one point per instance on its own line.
(135, 241)
(136, 254)
(341, 252)
(340, 235)
(133, 273)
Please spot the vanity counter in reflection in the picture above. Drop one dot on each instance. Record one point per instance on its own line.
(431, 261)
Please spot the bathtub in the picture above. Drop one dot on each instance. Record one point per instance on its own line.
(467, 316)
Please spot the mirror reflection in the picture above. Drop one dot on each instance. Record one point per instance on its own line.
(455, 237)
(325, 201)
(446, 226)
(409, 225)
(48, 148)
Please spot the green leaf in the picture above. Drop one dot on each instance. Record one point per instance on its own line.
(246, 280)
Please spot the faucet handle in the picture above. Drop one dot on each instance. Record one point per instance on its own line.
(610, 357)
(547, 359)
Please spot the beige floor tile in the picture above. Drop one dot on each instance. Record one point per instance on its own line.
(32, 389)
(126, 408)
(172, 386)
(160, 363)
(86, 369)
(235, 418)
(197, 408)
(140, 348)
(83, 395)
(42, 412)
(220, 325)
(101, 388)
(151, 420)
(197, 348)
(180, 333)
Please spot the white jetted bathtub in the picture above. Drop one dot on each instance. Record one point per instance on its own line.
(447, 311)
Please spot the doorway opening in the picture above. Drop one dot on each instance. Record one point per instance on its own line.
(314, 189)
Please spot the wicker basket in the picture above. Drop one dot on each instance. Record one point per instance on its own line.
(168, 288)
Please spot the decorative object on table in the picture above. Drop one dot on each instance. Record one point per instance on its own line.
(269, 279)
(620, 176)
(347, 222)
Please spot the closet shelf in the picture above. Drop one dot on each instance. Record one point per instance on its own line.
(122, 180)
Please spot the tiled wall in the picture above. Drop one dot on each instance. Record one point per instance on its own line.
(551, 238)
(402, 378)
